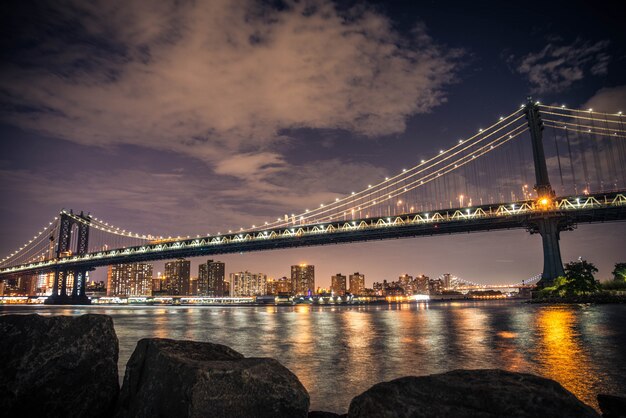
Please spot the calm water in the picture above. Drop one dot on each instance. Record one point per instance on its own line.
(338, 352)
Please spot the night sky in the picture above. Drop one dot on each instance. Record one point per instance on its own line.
(192, 117)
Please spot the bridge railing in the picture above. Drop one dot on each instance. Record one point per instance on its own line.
(454, 215)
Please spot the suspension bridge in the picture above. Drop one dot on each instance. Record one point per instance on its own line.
(479, 183)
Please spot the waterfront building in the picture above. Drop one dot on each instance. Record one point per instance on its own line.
(446, 281)
(389, 288)
(158, 284)
(178, 277)
(193, 286)
(279, 286)
(211, 279)
(407, 283)
(97, 289)
(338, 284)
(245, 283)
(129, 280)
(435, 286)
(303, 279)
(357, 283)
(421, 285)
(45, 284)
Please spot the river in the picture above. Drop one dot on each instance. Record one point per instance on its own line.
(338, 352)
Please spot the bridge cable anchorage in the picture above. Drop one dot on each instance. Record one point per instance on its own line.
(385, 187)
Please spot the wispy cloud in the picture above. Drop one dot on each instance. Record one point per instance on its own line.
(556, 67)
(608, 99)
(212, 79)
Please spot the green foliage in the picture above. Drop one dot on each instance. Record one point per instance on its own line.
(619, 273)
(578, 280)
(614, 285)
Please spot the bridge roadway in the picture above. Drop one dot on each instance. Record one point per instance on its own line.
(605, 207)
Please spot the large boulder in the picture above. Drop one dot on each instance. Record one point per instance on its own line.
(166, 378)
(58, 366)
(469, 393)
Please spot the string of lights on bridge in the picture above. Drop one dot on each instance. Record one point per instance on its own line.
(465, 151)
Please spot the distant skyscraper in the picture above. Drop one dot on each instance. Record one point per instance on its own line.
(177, 277)
(447, 280)
(435, 286)
(211, 279)
(422, 285)
(338, 284)
(303, 279)
(45, 283)
(357, 283)
(281, 285)
(245, 283)
(129, 280)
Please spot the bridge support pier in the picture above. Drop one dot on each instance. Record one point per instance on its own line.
(549, 230)
(60, 295)
(71, 223)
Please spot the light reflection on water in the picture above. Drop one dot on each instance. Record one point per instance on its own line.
(338, 352)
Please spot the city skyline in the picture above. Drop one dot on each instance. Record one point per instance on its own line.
(159, 144)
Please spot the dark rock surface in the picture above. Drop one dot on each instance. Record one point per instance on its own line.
(612, 406)
(58, 366)
(166, 378)
(469, 393)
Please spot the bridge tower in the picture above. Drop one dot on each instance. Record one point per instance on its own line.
(60, 293)
(548, 224)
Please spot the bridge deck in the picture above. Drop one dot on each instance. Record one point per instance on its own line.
(571, 210)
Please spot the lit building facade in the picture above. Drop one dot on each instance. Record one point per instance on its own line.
(245, 283)
(338, 284)
(303, 279)
(211, 279)
(357, 283)
(129, 280)
(279, 286)
(178, 277)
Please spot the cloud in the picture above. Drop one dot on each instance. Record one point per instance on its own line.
(608, 100)
(556, 67)
(212, 79)
(177, 202)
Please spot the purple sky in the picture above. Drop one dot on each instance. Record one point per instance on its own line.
(185, 118)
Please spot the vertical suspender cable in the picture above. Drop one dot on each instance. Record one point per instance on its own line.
(558, 158)
(571, 160)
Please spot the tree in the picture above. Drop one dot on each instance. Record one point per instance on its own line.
(619, 273)
(579, 278)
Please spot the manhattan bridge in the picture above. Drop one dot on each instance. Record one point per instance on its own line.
(498, 178)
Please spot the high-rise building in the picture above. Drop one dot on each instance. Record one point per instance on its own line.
(177, 277)
(279, 286)
(338, 284)
(129, 280)
(422, 285)
(211, 279)
(447, 280)
(245, 283)
(45, 283)
(435, 286)
(303, 279)
(357, 283)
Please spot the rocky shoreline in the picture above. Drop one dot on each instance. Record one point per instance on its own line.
(67, 366)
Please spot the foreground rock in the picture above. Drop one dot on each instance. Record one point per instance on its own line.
(469, 393)
(58, 366)
(612, 406)
(166, 378)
